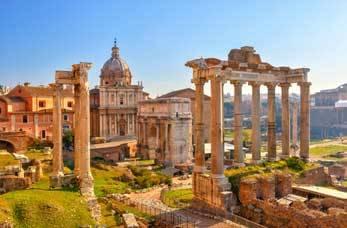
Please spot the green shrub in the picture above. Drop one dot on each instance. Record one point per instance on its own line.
(295, 164)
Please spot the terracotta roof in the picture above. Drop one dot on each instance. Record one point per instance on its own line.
(181, 92)
(42, 90)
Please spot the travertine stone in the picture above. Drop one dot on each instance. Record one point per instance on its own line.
(239, 154)
(199, 165)
(271, 142)
(255, 121)
(285, 119)
(304, 119)
(217, 168)
(57, 132)
(295, 124)
(78, 126)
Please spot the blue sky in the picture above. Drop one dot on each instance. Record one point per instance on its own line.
(156, 38)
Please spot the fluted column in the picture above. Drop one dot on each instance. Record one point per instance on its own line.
(57, 132)
(77, 142)
(255, 121)
(304, 119)
(285, 119)
(271, 122)
(217, 166)
(199, 165)
(238, 146)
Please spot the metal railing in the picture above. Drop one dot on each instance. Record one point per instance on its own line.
(162, 216)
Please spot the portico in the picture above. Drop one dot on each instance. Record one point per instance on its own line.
(243, 66)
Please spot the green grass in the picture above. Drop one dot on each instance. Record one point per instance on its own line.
(142, 162)
(246, 134)
(106, 180)
(178, 198)
(122, 208)
(7, 159)
(321, 151)
(40, 207)
(344, 183)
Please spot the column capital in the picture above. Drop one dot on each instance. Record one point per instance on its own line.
(271, 85)
(305, 84)
(255, 84)
(237, 82)
(199, 81)
(285, 85)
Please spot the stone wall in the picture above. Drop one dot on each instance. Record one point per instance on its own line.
(11, 183)
(314, 176)
(265, 187)
(272, 214)
(338, 170)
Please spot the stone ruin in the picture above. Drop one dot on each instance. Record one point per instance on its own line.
(211, 189)
(16, 178)
(267, 200)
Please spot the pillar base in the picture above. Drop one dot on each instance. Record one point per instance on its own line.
(87, 185)
(56, 180)
(212, 194)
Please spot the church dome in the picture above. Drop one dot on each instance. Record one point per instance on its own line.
(115, 71)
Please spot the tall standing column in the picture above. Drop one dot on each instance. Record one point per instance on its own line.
(86, 178)
(199, 165)
(166, 141)
(238, 147)
(295, 124)
(271, 122)
(304, 119)
(255, 121)
(217, 166)
(77, 141)
(285, 119)
(57, 132)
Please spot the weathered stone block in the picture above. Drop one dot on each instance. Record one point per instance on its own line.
(266, 187)
(283, 184)
(10, 183)
(248, 191)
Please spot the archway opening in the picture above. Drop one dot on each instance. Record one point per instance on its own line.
(7, 146)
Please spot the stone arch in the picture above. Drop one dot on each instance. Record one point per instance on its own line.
(122, 127)
(7, 145)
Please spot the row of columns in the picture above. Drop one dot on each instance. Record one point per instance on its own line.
(106, 121)
(217, 140)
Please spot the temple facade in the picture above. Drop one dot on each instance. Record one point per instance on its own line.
(244, 65)
(114, 103)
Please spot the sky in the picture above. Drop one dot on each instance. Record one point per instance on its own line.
(156, 38)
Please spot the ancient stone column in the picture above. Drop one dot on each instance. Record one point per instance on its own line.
(285, 119)
(271, 122)
(255, 121)
(238, 147)
(86, 179)
(166, 141)
(217, 166)
(304, 119)
(199, 165)
(57, 132)
(13, 123)
(77, 132)
(295, 124)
